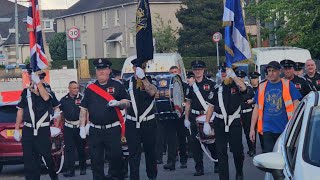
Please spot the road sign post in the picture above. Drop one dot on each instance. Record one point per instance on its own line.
(73, 33)
(217, 36)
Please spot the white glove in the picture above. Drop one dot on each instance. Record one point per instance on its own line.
(87, 127)
(83, 132)
(187, 123)
(35, 78)
(191, 81)
(56, 115)
(139, 72)
(16, 135)
(206, 128)
(230, 73)
(113, 103)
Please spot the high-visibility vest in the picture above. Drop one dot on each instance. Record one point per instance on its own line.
(286, 98)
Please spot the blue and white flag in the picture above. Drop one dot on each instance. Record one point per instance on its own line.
(237, 46)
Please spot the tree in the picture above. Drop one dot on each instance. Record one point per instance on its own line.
(200, 19)
(58, 47)
(294, 23)
(165, 36)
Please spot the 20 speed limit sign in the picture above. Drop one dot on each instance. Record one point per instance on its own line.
(73, 33)
(217, 36)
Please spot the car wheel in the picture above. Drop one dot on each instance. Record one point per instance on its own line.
(1, 167)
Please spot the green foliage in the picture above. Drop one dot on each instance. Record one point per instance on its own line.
(296, 22)
(166, 41)
(200, 19)
(58, 47)
(2, 66)
(27, 60)
(60, 64)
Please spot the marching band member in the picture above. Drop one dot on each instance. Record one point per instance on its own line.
(226, 103)
(33, 110)
(103, 100)
(141, 124)
(197, 96)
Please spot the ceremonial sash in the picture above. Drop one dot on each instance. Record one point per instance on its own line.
(109, 97)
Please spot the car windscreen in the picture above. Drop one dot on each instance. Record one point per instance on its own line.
(8, 114)
(312, 139)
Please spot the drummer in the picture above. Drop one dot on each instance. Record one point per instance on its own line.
(197, 96)
(36, 131)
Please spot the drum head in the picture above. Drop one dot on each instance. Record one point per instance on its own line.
(177, 95)
(54, 131)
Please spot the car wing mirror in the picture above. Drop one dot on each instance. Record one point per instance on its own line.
(272, 162)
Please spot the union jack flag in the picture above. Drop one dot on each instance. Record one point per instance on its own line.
(38, 59)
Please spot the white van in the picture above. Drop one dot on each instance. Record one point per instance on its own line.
(160, 64)
(262, 56)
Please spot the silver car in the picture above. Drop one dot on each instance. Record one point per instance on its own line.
(296, 155)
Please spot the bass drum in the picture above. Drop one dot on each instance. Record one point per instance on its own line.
(169, 97)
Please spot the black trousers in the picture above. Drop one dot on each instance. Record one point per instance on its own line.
(196, 147)
(246, 123)
(160, 139)
(146, 135)
(33, 148)
(234, 138)
(171, 139)
(182, 133)
(73, 141)
(99, 141)
(270, 140)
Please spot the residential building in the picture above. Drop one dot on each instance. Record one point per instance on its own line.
(107, 28)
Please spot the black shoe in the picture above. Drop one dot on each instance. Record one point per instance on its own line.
(198, 173)
(159, 162)
(183, 165)
(216, 167)
(55, 178)
(190, 155)
(126, 174)
(239, 177)
(152, 178)
(68, 174)
(83, 172)
(170, 166)
(251, 153)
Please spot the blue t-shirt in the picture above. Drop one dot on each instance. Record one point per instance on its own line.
(274, 113)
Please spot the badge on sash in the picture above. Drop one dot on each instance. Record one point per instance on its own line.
(233, 90)
(77, 102)
(110, 90)
(206, 87)
(298, 86)
(318, 82)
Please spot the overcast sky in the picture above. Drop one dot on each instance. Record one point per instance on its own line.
(51, 4)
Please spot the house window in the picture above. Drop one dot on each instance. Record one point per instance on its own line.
(117, 18)
(105, 49)
(85, 51)
(131, 39)
(48, 25)
(105, 23)
(84, 21)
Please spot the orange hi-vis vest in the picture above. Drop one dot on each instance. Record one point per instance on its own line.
(286, 98)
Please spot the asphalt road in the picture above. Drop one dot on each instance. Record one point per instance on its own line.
(15, 172)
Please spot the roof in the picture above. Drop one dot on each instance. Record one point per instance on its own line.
(85, 6)
(8, 7)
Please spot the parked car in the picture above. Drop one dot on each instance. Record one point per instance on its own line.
(13, 66)
(10, 150)
(296, 154)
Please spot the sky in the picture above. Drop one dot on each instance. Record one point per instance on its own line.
(51, 4)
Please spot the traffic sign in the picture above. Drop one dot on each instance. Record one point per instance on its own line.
(73, 33)
(217, 36)
(2, 57)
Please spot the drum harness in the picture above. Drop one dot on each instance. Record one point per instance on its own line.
(144, 116)
(205, 106)
(39, 124)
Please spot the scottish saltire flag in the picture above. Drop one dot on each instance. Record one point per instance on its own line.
(144, 39)
(237, 46)
(38, 58)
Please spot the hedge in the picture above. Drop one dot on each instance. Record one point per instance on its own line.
(117, 63)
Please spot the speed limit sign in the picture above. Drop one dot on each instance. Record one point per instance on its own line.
(217, 36)
(73, 33)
